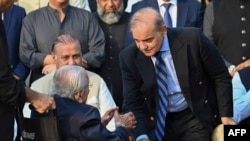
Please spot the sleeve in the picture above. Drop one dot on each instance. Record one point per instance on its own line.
(28, 51)
(21, 70)
(133, 100)
(209, 21)
(96, 43)
(91, 128)
(210, 56)
(11, 90)
(106, 102)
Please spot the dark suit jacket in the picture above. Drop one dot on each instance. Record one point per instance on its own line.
(189, 13)
(13, 22)
(202, 75)
(11, 90)
(83, 123)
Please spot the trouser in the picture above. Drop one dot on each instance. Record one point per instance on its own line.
(7, 115)
(184, 126)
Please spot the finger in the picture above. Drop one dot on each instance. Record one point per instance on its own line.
(116, 114)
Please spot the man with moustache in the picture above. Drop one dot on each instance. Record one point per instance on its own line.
(41, 27)
(113, 21)
(66, 50)
(13, 93)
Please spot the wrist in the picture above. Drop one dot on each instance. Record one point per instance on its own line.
(117, 124)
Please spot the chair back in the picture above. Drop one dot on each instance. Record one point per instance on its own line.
(43, 128)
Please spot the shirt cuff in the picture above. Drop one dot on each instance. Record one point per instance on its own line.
(143, 136)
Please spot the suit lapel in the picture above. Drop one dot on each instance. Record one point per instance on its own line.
(180, 58)
(146, 68)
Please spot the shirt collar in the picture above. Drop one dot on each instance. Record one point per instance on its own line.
(160, 2)
(65, 9)
(165, 44)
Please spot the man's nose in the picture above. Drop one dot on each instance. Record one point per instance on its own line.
(71, 61)
(142, 45)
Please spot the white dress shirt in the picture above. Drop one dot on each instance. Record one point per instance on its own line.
(172, 10)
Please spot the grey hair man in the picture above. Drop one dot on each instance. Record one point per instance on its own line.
(70, 89)
(67, 51)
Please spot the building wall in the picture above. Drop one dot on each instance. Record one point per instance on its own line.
(29, 5)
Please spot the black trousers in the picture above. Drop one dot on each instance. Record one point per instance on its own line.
(7, 115)
(184, 126)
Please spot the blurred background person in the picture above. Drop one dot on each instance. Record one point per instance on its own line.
(93, 5)
(83, 4)
(113, 21)
(229, 30)
(12, 20)
(41, 27)
(180, 13)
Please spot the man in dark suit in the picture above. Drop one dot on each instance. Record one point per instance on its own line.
(184, 13)
(12, 20)
(197, 87)
(12, 91)
(70, 87)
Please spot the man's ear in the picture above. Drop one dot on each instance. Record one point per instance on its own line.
(78, 97)
(53, 55)
(164, 30)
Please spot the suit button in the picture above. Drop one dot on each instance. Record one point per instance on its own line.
(200, 83)
(151, 118)
(243, 19)
(243, 32)
(215, 116)
(242, 6)
(243, 58)
(206, 101)
(243, 44)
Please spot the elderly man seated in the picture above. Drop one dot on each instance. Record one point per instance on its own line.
(70, 88)
(66, 50)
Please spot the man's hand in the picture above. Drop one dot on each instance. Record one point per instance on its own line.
(108, 116)
(41, 102)
(241, 66)
(126, 120)
(85, 64)
(48, 68)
